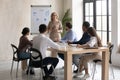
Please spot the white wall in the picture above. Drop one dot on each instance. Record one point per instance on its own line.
(77, 16)
(68, 5)
(118, 21)
(14, 15)
(115, 30)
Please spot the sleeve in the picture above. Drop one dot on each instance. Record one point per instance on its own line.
(76, 42)
(71, 36)
(52, 44)
(28, 42)
(85, 38)
(92, 42)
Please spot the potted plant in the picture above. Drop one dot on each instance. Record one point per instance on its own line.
(66, 18)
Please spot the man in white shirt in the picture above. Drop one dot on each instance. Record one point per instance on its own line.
(42, 42)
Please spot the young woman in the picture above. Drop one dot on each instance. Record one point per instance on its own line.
(94, 42)
(24, 43)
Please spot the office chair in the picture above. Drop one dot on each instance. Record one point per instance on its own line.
(110, 62)
(36, 61)
(16, 58)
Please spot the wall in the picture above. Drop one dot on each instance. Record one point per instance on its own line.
(14, 15)
(115, 30)
(77, 16)
(68, 5)
(118, 21)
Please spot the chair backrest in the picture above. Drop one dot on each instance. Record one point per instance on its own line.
(36, 58)
(110, 50)
(35, 54)
(15, 52)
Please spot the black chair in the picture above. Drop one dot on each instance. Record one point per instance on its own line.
(36, 61)
(15, 58)
(110, 61)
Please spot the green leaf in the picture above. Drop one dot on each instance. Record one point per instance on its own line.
(66, 18)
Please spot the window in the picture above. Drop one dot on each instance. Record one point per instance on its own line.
(98, 13)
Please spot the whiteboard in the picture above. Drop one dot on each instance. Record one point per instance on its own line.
(39, 15)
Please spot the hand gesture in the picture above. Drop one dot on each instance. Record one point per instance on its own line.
(56, 40)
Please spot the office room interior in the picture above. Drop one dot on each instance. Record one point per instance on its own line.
(104, 15)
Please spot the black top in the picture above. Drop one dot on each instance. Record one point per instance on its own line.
(85, 38)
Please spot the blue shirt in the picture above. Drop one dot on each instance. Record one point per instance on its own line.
(70, 35)
(85, 38)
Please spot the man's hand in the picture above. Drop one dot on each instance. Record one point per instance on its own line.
(69, 42)
(56, 40)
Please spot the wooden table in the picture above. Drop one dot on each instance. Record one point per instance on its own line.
(69, 51)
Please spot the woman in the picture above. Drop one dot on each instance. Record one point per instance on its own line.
(24, 43)
(55, 29)
(94, 42)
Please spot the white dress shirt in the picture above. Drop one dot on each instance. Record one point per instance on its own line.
(42, 42)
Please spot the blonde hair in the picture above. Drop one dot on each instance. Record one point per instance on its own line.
(54, 14)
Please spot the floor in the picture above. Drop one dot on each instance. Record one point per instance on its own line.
(59, 71)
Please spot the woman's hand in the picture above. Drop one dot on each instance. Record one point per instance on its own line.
(56, 40)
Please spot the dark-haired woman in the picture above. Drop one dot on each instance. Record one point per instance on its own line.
(94, 42)
(24, 43)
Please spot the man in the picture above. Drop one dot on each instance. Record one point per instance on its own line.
(85, 38)
(69, 36)
(42, 42)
